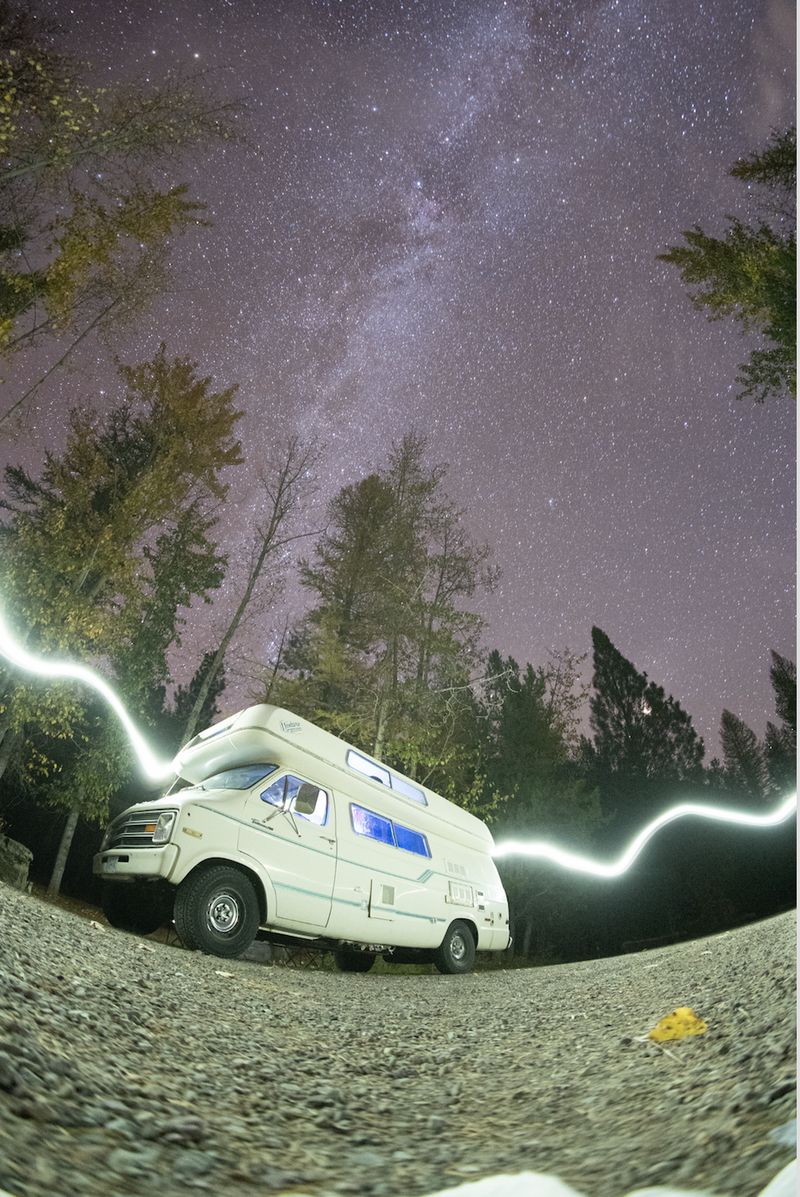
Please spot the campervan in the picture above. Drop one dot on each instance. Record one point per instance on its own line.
(276, 829)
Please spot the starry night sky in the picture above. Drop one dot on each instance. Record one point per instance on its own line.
(447, 214)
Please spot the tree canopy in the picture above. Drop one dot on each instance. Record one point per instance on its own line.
(749, 274)
(85, 221)
(643, 738)
(103, 549)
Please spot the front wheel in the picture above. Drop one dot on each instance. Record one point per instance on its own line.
(140, 909)
(217, 911)
(457, 951)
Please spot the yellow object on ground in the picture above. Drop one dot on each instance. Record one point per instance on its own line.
(678, 1024)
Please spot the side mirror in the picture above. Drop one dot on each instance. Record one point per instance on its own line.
(307, 798)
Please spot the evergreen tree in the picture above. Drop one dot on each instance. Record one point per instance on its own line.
(644, 742)
(86, 222)
(750, 273)
(101, 553)
(780, 743)
(533, 786)
(389, 640)
(745, 766)
(185, 699)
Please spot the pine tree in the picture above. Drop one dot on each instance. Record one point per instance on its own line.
(745, 765)
(185, 698)
(389, 639)
(750, 273)
(780, 742)
(101, 553)
(644, 741)
(86, 222)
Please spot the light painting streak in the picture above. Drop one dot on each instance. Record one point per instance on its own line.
(159, 770)
(584, 864)
(155, 770)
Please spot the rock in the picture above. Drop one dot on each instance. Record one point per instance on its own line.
(129, 1162)
(15, 861)
(191, 1163)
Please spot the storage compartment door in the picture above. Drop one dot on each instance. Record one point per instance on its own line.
(381, 899)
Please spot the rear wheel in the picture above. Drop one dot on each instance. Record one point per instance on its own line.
(351, 960)
(139, 909)
(217, 911)
(457, 951)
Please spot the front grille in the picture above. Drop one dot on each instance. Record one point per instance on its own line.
(130, 831)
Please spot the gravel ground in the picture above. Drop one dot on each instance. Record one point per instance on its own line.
(129, 1066)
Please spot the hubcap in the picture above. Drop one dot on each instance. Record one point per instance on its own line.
(223, 913)
(458, 948)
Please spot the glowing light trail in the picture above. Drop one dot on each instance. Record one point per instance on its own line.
(159, 770)
(154, 769)
(585, 864)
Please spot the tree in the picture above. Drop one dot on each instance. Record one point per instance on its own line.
(749, 274)
(389, 639)
(528, 716)
(85, 223)
(643, 739)
(780, 742)
(184, 700)
(100, 554)
(282, 492)
(743, 758)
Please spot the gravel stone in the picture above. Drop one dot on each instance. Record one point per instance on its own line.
(131, 1068)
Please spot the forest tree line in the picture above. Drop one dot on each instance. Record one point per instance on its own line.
(105, 548)
(104, 551)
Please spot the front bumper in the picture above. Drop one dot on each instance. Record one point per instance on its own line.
(135, 862)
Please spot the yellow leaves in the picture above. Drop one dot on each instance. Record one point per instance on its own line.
(678, 1025)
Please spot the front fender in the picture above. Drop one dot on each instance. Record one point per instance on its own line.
(248, 864)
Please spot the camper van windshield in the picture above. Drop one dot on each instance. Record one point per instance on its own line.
(241, 778)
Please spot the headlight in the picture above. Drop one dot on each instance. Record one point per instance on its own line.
(163, 828)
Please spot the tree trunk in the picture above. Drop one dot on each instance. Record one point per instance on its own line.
(54, 888)
(283, 496)
(380, 729)
(9, 740)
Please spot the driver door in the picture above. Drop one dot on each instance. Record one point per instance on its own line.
(291, 829)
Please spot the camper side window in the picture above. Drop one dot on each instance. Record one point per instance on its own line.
(376, 827)
(369, 768)
(411, 841)
(366, 822)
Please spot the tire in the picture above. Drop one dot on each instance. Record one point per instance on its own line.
(351, 960)
(216, 910)
(456, 953)
(140, 909)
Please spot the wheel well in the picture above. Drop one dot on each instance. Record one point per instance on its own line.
(240, 868)
(468, 923)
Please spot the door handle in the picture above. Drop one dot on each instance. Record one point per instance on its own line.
(328, 839)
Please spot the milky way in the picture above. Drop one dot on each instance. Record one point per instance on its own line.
(447, 215)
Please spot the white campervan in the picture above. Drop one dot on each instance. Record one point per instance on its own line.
(278, 829)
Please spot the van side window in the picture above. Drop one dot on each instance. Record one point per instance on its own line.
(366, 822)
(275, 792)
(376, 827)
(307, 801)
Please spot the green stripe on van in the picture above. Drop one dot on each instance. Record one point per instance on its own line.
(312, 893)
